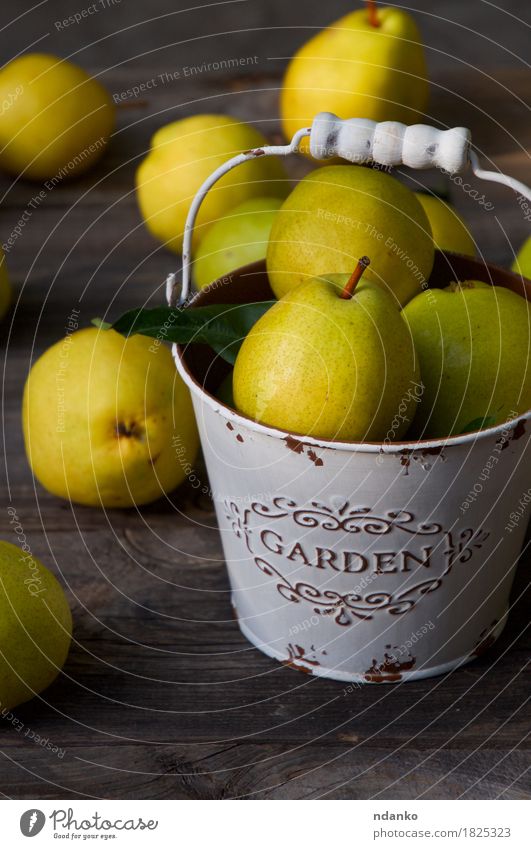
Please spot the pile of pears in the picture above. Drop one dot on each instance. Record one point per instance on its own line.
(370, 63)
(365, 350)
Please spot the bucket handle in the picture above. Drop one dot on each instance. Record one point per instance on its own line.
(357, 140)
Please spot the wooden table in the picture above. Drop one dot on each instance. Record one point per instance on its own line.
(161, 696)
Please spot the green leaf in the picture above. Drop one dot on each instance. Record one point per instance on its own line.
(222, 326)
(479, 424)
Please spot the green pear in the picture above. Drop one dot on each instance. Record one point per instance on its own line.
(368, 64)
(472, 341)
(522, 261)
(448, 229)
(336, 214)
(239, 237)
(330, 365)
(35, 623)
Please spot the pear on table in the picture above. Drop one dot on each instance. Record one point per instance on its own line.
(182, 156)
(368, 64)
(107, 421)
(56, 119)
(472, 340)
(36, 626)
(333, 359)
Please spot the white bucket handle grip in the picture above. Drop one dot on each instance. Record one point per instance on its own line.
(358, 140)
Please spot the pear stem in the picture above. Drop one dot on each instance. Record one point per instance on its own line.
(354, 278)
(372, 13)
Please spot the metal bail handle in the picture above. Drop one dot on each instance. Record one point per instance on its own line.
(361, 141)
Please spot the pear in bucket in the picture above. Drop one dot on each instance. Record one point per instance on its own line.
(341, 212)
(472, 341)
(333, 359)
(448, 229)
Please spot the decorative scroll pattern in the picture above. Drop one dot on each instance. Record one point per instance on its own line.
(350, 520)
(462, 548)
(239, 523)
(344, 608)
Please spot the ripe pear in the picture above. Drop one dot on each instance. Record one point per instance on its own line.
(35, 624)
(336, 214)
(182, 155)
(368, 64)
(56, 119)
(522, 261)
(472, 341)
(448, 228)
(5, 286)
(107, 420)
(239, 237)
(329, 366)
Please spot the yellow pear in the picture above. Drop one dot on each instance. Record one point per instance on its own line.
(522, 261)
(238, 238)
(107, 420)
(182, 155)
(336, 214)
(56, 119)
(471, 340)
(368, 64)
(327, 363)
(448, 229)
(35, 623)
(5, 286)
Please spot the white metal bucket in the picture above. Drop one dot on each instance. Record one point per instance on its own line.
(362, 562)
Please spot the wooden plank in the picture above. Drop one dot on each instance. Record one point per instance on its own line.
(250, 770)
(157, 656)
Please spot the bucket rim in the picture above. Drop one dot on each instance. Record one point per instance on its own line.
(404, 446)
(472, 268)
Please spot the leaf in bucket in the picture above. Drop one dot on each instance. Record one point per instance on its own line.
(479, 424)
(222, 326)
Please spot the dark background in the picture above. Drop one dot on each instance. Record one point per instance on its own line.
(134, 33)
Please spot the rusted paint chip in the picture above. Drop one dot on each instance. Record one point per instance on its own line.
(405, 461)
(297, 658)
(257, 151)
(314, 458)
(299, 447)
(390, 669)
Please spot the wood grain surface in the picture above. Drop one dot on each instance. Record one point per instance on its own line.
(161, 696)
